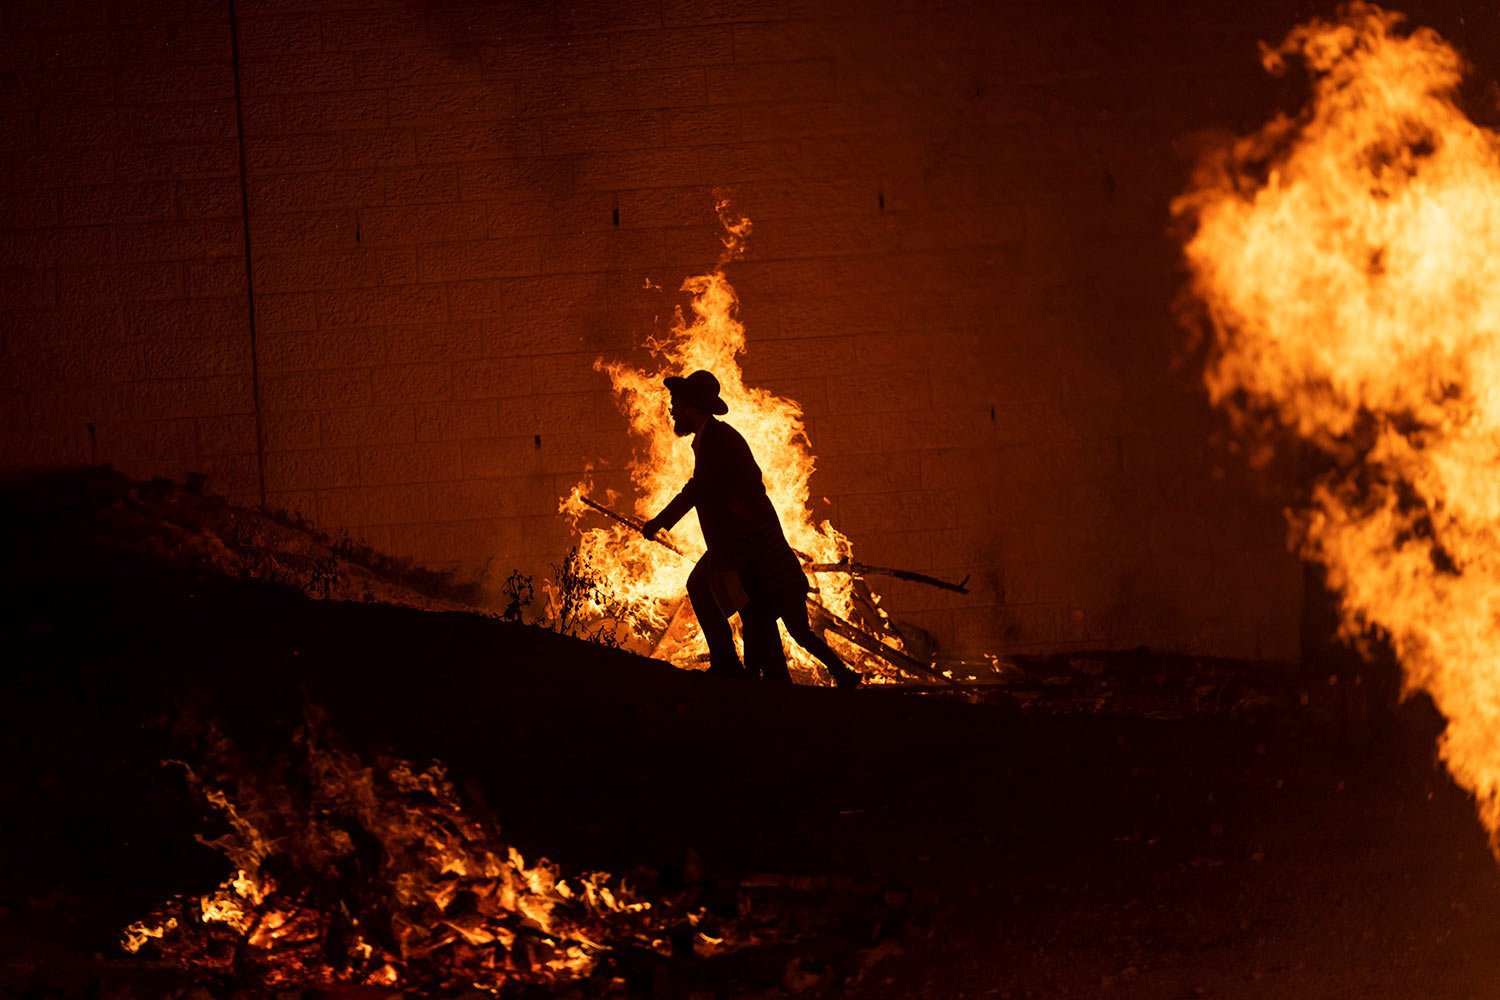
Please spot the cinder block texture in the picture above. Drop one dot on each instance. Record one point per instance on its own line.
(961, 268)
(122, 310)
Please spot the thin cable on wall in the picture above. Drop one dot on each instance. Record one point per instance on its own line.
(239, 125)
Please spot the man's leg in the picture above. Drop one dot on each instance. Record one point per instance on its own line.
(722, 658)
(763, 653)
(801, 631)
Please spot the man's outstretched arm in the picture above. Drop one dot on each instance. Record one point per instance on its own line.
(673, 512)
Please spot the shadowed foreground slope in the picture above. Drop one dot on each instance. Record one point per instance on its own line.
(994, 851)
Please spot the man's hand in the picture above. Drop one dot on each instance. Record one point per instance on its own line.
(650, 528)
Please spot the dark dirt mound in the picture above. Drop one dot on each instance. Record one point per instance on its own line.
(65, 521)
(964, 850)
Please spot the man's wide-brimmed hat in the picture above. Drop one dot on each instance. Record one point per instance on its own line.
(700, 388)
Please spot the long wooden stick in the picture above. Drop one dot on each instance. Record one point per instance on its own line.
(631, 522)
(865, 569)
(851, 568)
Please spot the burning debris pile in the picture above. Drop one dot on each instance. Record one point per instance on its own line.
(1349, 264)
(648, 580)
(379, 874)
(353, 874)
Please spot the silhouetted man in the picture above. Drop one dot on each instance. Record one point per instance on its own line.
(749, 567)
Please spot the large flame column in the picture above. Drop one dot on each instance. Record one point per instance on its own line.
(1348, 265)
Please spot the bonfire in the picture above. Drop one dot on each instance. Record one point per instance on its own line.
(646, 582)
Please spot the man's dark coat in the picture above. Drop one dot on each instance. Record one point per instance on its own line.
(738, 520)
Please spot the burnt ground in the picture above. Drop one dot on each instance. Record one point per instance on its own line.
(1009, 852)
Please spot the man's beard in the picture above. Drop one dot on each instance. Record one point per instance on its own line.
(681, 427)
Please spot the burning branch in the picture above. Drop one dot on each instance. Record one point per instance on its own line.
(823, 618)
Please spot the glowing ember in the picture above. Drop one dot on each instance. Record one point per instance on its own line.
(347, 873)
(1350, 265)
(647, 582)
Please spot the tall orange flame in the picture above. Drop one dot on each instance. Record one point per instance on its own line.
(1349, 261)
(647, 582)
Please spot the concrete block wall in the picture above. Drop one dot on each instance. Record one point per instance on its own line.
(122, 278)
(961, 268)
